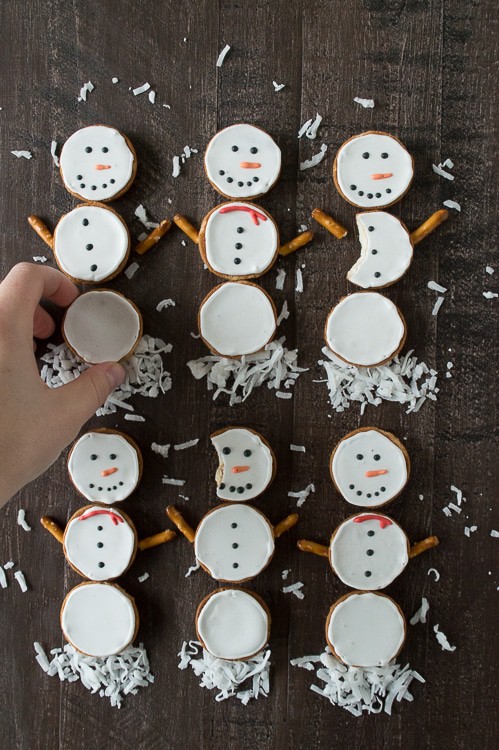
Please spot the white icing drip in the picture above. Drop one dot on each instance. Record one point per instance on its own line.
(237, 319)
(216, 537)
(359, 549)
(102, 242)
(102, 326)
(259, 241)
(260, 464)
(233, 624)
(220, 157)
(366, 630)
(349, 472)
(98, 619)
(355, 170)
(83, 535)
(81, 168)
(364, 329)
(386, 250)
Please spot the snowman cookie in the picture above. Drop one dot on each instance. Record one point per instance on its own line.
(98, 163)
(386, 250)
(105, 465)
(247, 463)
(373, 170)
(365, 329)
(364, 629)
(242, 161)
(233, 624)
(99, 619)
(368, 551)
(236, 319)
(102, 326)
(233, 542)
(369, 467)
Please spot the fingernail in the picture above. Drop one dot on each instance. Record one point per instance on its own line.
(115, 374)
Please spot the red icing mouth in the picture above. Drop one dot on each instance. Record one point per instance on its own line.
(383, 520)
(256, 216)
(102, 512)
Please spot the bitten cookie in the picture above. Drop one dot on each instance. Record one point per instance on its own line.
(247, 463)
(242, 161)
(373, 170)
(98, 163)
(369, 467)
(386, 250)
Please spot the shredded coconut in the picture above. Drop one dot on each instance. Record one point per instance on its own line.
(311, 131)
(442, 639)
(152, 96)
(175, 482)
(141, 214)
(178, 160)
(284, 314)
(297, 448)
(161, 450)
(19, 576)
(420, 615)
(302, 495)
(3, 578)
(114, 80)
(468, 530)
(489, 270)
(438, 170)
(22, 154)
(452, 204)
(164, 303)
(366, 103)
(131, 270)
(193, 569)
(86, 89)
(494, 533)
(188, 444)
(285, 573)
(176, 166)
(53, 153)
(278, 86)
(437, 305)
(315, 159)
(143, 577)
(9, 565)
(134, 418)
(222, 56)
(490, 295)
(435, 573)
(243, 679)
(141, 89)
(458, 493)
(21, 520)
(299, 281)
(436, 287)
(40, 258)
(294, 588)
(281, 276)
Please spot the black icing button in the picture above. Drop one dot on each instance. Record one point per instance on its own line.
(233, 525)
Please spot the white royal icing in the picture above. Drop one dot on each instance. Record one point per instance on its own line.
(98, 619)
(368, 555)
(364, 329)
(104, 467)
(235, 146)
(232, 624)
(96, 175)
(234, 542)
(386, 250)
(247, 464)
(102, 326)
(355, 173)
(366, 630)
(240, 239)
(354, 462)
(90, 243)
(100, 543)
(237, 319)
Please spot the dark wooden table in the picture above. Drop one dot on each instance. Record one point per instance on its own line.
(428, 65)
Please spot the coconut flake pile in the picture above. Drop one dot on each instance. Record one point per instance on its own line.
(452, 507)
(302, 495)
(177, 161)
(112, 677)
(442, 639)
(404, 380)
(359, 689)
(294, 588)
(310, 128)
(145, 373)
(241, 679)
(141, 214)
(239, 376)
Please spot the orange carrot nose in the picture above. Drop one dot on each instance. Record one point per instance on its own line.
(381, 175)
(239, 469)
(107, 472)
(250, 165)
(376, 473)
(102, 166)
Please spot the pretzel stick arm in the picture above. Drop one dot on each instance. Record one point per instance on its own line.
(156, 539)
(177, 518)
(425, 544)
(285, 525)
(153, 237)
(329, 223)
(52, 527)
(316, 549)
(42, 230)
(303, 239)
(429, 226)
(186, 227)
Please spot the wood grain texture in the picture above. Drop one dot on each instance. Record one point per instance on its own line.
(429, 67)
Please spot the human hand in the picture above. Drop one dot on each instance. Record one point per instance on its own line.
(37, 422)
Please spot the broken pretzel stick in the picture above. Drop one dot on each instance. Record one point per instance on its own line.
(177, 518)
(429, 226)
(52, 527)
(329, 223)
(156, 539)
(285, 525)
(154, 237)
(303, 239)
(42, 230)
(186, 227)
(314, 547)
(425, 544)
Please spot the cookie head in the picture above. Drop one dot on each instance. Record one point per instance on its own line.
(369, 467)
(97, 163)
(246, 464)
(242, 161)
(372, 170)
(105, 467)
(386, 250)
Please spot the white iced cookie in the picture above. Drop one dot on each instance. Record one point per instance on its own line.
(238, 240)
(100, 543)
(102, 326)
(105, 466)
(237, 318)
(386, 250)
(369, 467)
(91, 243)
(98, 163)
(368, 551)
(99, 619)
(246, 463)
(242, 161)
(234, 542)
(365, 629)
(365, 329)
(373, 170)
(233, 624)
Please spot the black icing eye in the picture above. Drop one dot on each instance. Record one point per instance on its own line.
(105, 149)
(368, 574)
(89, 247)
(365, 155)
(239, 230)
(235, 148)
(376, 456)
(101, 565)
(112, 182)
(238, 245)
(120, 484)
(247, 453)
(253, 150)
(88, 149)
(384, 156)
(370, 229)
(93, 457)
(113, 456)
(351, 486)
(353, 187)
(100, 545)
(93, 267)
(373, 251)
(91, 486)
(377, 274)
(233, 526)
(360, 456)
(235, 545)
(85, 222)
(79, 177)
(235, 565)
(221, 173)
(226, 451)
